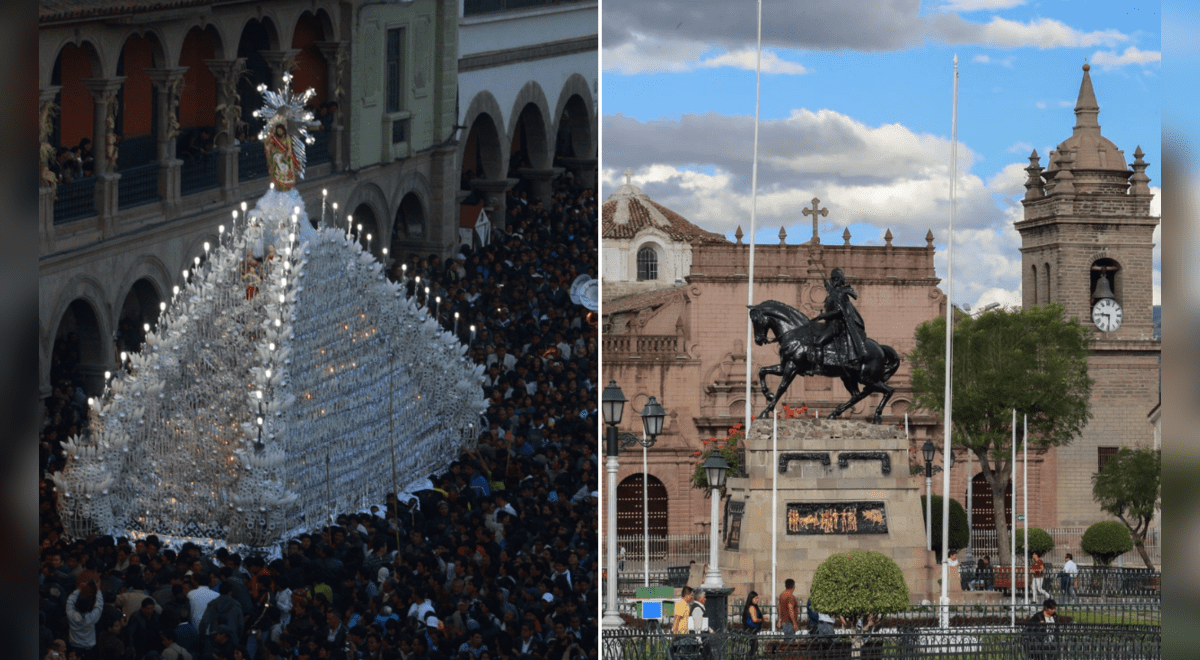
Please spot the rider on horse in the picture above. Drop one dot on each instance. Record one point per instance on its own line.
(841, 318)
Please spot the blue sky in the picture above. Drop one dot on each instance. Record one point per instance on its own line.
(856, 105)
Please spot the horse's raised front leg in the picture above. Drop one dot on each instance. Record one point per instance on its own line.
(786, 372)
(773, 370)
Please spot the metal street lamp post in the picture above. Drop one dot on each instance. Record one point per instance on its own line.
(715, 468)
(652, 422)
(927, 450)
(612, 408)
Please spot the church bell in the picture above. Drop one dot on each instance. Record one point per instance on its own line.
(1103, 289)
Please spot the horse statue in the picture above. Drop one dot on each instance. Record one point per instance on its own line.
(800, 353)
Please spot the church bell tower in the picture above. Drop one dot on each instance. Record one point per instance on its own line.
(1087, 243)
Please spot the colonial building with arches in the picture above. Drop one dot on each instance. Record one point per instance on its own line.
(166, 99)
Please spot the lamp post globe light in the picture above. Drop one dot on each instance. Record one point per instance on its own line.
(927, 450)
(714, 470)
(612, 406)
(652, 422)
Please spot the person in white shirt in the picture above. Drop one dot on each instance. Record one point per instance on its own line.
(699, 617)
(1067, 578)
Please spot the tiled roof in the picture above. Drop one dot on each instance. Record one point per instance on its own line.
(58, 10)
(628, 211)
(638, 301)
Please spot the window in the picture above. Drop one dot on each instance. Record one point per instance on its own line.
(647, 264)
(395, 82)
(1103, 454)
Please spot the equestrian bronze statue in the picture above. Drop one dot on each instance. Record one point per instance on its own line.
(834, 344)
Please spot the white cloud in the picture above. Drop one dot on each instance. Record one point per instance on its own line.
(1010, 180)
(1041, 105)
(1044, 33)
(746, 58)
(1131, 55)
(981, 5)
(646, 54)
(982, 59)
(1020, 148)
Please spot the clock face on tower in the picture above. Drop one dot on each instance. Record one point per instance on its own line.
(1106, 314)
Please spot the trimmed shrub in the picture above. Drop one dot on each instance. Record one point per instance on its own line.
(1106, 540)
(857, 584)
(1040, 541)
(960, 535)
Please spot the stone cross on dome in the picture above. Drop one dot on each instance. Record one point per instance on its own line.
(628, 173)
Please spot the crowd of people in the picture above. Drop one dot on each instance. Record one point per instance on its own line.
(497, 561)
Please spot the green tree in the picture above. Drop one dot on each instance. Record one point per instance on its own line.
(1106, 540)
(960, 535)
(728, 446)
(1029, 360)
(860, 584)
(1130, 487)
(1040, 540)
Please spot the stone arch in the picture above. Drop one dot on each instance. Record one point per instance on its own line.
(1111, 269)
(92, 49)
(482, 146)
(576, 100)
(1033, 273)
(1048, 288)
(74, 61)
(139, 307)
(198, 103)
(258, 34)
(373, 198)
(629, 507)
(82, 300)
(137, 113)
(220, 40)
(529, 125)
(309, 28)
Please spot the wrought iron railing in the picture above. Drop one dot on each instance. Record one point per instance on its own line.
(199, 172)
(75, 200)
(318, 151)
(138, 185)
(1066, 540)
(1061, 642)
(252, 161)
(473, 7)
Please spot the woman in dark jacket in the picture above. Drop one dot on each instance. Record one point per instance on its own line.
(753, 620)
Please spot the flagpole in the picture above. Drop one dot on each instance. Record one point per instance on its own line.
(1012, 526)
(945, 599)
(1025, 506)
(774, 511)
(753, 209)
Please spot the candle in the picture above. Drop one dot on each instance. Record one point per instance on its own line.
(220, 234)
(455, 324)
(437, 302)
(426, 296)
(472, 334)
(349, 224)
(368, 240)
(324, 196)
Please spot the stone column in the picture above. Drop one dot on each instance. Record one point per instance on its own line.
(169, 83)
(281, 62)
(539, 180)
(104, 97)
(585, 168)
(47, 190)
(493, 191)
(227, 73)
(335, 91)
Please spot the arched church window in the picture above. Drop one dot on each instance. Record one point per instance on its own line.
(647, 264)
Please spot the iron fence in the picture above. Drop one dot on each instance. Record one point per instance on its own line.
(1057, 642)
(1127, 614)
(1066, 540)
(252, 161)
(665, 551)
(75, 200)
(199, 172)
(1089, 582)
(138, 185)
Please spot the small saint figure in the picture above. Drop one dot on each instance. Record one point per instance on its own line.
(251, 275)
(842, 319)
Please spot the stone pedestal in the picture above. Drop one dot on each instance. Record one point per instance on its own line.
(842, 486)
(539, 181)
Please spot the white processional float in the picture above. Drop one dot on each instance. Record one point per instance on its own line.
(273, 395)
